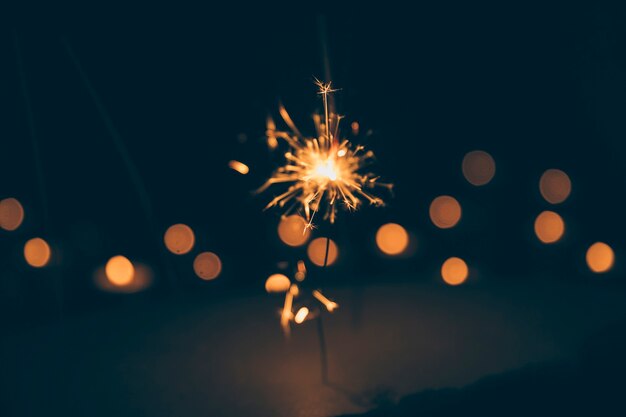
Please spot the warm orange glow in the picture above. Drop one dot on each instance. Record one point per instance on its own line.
(454, 271)
(240, 167)
(330, 305)
(555, 186)
(301, 273)
(207, 266)
(179, 239)
(11, 214)
(37, 252)
(301, 315)
(478, 167)
(295, 290)
(549, 227)
(292, 230)
(277, 283)
(392, 239)
(600, 257)
(317, 251)
(142, 279)
(355, 128)
(119, 270)
(445, 212)
(324, 172)
(286, 314)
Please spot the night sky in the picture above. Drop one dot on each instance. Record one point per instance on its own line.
(181, 92)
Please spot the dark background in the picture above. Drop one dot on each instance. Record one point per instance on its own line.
(537, 87)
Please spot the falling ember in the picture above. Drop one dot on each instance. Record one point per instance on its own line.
(301, 273)
(286, 313)
(240, 167)
(323, 171)
(330, 305)
(301, 315)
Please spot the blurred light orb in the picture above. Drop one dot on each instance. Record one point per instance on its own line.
(355, 128)
(392, 239)
(454, 271)
(119, 271)
(37, 252)
(445, 212)
(549, 227)
(142, 279)
(277, 283)
(478, 167)
(207, 266)
(11, 214)
(555, 186)
(301, 315)
(292, 230)
(240, 167)
(317, 251)
(179, 239)
(600, 257)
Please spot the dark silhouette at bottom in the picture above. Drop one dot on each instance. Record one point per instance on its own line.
(593, 384)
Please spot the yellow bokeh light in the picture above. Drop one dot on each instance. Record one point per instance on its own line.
(119, 271)
(207, 266)
(292, 230)
(179, 239)
(37, 252)
(555, 186)
(11, 214)
(478, 167)
(301, 315)
(277, 283)
(392, 239)
(317, 251)
(549, 227)
(142, 279)
(454, 271)
(445, 212)
(600, 257)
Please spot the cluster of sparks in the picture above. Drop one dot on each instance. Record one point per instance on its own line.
(322, 171)
(303, 313)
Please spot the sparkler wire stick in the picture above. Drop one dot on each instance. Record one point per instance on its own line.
(320, 329)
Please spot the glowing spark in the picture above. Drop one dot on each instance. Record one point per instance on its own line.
(240, 167)
(321, 171)
(301, 315)
(286, 313)
(295, 291)
(330, 305)
(301, 273)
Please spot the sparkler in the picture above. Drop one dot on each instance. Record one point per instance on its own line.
(323, 171)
